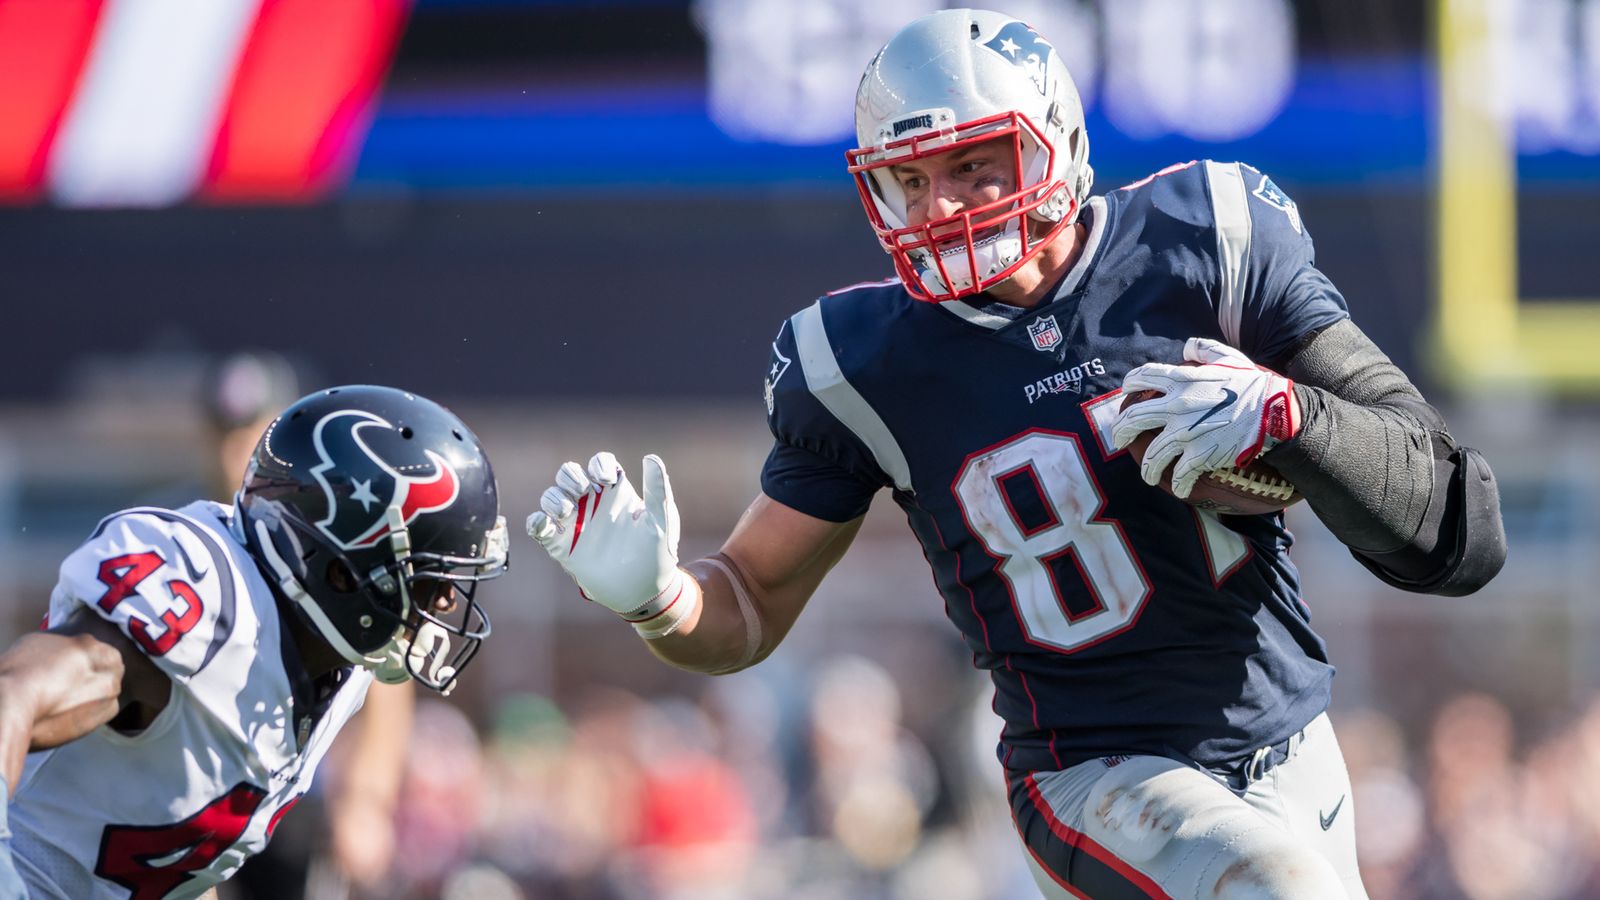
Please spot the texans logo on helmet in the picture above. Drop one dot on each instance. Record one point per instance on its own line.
(357, 519)
(1022, 46)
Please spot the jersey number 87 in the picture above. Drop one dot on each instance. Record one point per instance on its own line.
(1034, 540)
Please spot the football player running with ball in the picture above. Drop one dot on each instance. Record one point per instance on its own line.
(196, 663)
(1162, 687)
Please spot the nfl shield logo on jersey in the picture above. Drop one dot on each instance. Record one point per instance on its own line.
(1046, 334)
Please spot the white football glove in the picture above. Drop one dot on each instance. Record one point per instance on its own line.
(1224, 412)
(621, 549)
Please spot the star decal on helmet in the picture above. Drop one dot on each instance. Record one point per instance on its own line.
(364, 494)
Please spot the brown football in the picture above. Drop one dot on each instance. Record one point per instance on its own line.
(1254, 490)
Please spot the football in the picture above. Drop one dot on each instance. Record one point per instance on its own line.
(1256, 489)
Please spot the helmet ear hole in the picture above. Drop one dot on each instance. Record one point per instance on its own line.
(339, 577)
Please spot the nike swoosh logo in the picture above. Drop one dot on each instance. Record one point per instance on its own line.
(1327, 820)
(1226, 402)
(195, 572)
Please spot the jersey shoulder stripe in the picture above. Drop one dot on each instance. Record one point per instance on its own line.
(1230, 205)
(827, 382)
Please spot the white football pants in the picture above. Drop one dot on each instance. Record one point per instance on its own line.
(1151, 827)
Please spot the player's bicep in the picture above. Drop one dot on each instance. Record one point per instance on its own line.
(782, 548)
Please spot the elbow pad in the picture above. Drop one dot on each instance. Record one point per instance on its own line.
(1463, 523)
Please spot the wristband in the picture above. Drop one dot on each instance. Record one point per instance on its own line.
(668, 610)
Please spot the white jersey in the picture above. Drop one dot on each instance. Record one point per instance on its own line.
(177, 808)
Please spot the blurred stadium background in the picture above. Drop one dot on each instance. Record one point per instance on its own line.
(579, 224)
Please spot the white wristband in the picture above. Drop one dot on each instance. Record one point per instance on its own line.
(668, 610)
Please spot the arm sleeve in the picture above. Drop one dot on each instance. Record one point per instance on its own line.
(1380, 469)
(158, 581)
(817, 465)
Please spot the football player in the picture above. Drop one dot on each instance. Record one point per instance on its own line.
(353, 825)
(1162, 687)
(196, 663)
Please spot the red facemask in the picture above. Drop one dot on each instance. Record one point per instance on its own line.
(976, 248)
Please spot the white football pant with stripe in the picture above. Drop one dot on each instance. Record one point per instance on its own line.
(1151, 827)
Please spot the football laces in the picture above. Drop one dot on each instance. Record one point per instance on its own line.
(1273, 488)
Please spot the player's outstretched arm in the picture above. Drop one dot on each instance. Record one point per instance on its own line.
(58, 685)
(718, 614)
(754, 589)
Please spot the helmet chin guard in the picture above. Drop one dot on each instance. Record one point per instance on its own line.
(946, 82)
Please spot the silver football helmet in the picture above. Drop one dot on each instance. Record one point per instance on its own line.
(947, 81)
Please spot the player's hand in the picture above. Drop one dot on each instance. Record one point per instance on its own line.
(621, 548)
(1223, 412)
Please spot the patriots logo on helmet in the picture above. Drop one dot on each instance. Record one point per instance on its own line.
(1022, 46)
(358, 519)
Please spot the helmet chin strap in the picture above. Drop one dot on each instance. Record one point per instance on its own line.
(297, 594)
(388, 663)
(425, 652)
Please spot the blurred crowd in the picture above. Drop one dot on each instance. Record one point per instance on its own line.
(1484, 807)
(810, 786)
(760, 787)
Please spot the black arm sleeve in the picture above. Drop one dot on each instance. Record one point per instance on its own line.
(1379, 468)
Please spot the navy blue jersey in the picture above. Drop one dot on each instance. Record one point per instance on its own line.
(1112, 617)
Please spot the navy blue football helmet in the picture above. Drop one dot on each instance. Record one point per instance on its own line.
(375, 513)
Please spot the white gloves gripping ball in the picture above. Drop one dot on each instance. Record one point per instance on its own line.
(621, 548)
(1219, 414)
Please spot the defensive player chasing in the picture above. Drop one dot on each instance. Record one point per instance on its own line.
(1162, 687)
(196, 663)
